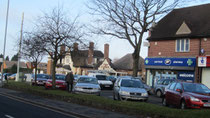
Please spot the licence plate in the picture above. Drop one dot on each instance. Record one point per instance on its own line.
(206, 105)
(107, 86)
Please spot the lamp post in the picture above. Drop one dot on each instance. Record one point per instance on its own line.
(5, 39)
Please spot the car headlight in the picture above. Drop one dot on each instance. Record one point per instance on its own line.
(78, 88)
(124, 93)
(144, 94)
(194, 99)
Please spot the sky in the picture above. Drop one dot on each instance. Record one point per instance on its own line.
(34, 8)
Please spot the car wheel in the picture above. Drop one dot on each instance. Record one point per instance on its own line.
(159, 93)
(183, 105)
(164, 103)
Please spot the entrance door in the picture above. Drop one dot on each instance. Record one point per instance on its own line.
(206, 77)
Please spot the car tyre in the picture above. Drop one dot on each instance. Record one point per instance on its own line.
(164, 103)
(183, 105)
(159, 93)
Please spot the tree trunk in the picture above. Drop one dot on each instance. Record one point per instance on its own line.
(135, 62)
(53, 74)
(36, 73)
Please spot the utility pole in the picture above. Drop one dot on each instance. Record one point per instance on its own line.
(19, 51)
(5, 39)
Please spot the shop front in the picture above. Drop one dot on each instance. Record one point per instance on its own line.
(169, 68)
(204, 65)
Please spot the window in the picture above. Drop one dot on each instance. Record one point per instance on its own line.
(178, 86)
(182, 45)
(172, 86)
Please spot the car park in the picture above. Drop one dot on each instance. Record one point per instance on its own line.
(41, 79)
(59, 82)
(187, 95)
(160, 86)
(102, 80)
(88, 85)
(129, 88)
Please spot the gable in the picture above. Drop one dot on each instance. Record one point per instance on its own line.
(183, 29)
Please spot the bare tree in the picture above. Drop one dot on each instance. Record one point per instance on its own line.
(54, 30)
(129, 20)
(32, 50)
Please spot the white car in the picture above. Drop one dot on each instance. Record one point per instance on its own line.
(102, 80)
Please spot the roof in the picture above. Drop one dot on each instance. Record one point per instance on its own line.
(126, 63)
(197, 19)
(9, 64)
(80, 57)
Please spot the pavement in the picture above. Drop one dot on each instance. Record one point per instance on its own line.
(65, 107)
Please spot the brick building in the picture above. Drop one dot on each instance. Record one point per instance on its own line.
(177, 44)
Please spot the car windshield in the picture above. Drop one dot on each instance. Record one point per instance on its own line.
(87, 80)
(60, 77)
(197, 88)
(131, 83)
(43, 76)
(101, 77)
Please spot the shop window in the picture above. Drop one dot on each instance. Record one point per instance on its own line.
(182, 45)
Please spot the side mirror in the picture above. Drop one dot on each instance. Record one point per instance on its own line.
(179, 90)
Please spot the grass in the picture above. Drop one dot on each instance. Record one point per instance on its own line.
(141, 109)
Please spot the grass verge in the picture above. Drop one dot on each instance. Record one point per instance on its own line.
(133, 108)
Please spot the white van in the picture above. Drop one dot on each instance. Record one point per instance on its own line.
(102, 80)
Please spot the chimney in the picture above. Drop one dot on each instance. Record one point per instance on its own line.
(90, 53)
(106, 52)
(75, 46)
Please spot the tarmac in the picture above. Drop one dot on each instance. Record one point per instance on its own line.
(61, 106)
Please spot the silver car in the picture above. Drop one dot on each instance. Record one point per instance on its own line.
(88, 85)
(129, 88)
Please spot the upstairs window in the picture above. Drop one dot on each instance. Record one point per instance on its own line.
(182, 45)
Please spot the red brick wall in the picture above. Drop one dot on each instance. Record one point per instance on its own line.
(167, 48)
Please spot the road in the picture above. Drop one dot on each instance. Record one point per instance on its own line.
(11, 108)
(152, 98)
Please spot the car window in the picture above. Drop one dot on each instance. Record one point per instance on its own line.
(172, 86)
(101, 77)
(87, 80)
(160, 82)
(178, 86)
(197, 88)
(131, 83)
(166, 82)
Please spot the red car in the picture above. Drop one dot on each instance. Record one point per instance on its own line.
(60, 82)
(187, 95)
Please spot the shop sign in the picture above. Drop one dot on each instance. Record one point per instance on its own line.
(187, 62)
(186, 76)
(204, 61)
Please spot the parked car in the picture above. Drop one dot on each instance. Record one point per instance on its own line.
(112, 78)
(160, 86)
(129, 88)
(59, 82)
(87, 84)
(41, 79)
(187, 95)
(148, 88)
(76, 77)
(12, 77)
(102, 80)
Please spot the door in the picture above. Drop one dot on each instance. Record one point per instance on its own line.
(177, 94)
(206, 77)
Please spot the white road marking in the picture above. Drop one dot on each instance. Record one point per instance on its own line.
(8, 116)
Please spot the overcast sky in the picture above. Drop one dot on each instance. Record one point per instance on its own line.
(34, 8)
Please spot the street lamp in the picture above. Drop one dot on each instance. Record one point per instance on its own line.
(5, 39)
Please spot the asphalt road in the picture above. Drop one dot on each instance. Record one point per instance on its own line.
(152, 98)
(10, 108)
